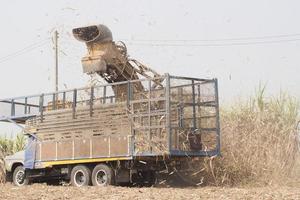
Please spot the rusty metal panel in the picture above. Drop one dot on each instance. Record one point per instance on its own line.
(48, 151)
(100, 146)
(64, 149)
(81, 148)
(118, 145)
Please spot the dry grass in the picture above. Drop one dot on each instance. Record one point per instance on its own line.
(259, 142)
(2, 169)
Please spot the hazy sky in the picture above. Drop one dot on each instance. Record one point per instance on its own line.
(239, 42)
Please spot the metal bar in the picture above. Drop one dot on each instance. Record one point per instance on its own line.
(146, 100)
(204, 130)
(19, 103)
(193, 153)
(41, 109)
(199, 112)
(25, 108)
(148, 127)
(218, 117)
(185, 85)
(83, 88)
(129, 108)
(104, 94)
(64, 100)
(149, 117)
(74, 103)
(190, 78)
(180, 94)
(194, 108)
(198, 103)
(168, 108)
(128, 94)
(181, 108)
(204, 104)
(12, 110)
(53, 101)
(161, 112)
(189, 117)
(208, 116)
(91, 101)
(180, 116)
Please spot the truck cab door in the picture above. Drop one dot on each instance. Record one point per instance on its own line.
(30, 153)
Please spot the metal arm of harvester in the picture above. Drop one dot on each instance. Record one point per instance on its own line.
(110, 59)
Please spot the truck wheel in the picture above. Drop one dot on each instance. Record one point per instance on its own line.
(80, 176)
(103, 175)
(19, 176)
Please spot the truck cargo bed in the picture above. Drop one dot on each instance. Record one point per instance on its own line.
(180, 118)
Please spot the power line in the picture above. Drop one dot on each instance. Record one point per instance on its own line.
(176, 43)
(215, 40)
(24, 50)
(239, 41)
(215, 44)
(287, 36)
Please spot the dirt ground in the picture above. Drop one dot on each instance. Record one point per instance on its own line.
(42, 191)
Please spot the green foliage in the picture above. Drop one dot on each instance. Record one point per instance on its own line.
(19, 143)
(259, 97)
(10, 145)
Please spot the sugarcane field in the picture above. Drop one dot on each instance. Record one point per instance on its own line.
(149, 100)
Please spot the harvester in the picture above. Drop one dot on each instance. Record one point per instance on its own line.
(126, 131)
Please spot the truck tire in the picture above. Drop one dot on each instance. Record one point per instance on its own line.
(19, 176)
(103, 175)
(80, 176)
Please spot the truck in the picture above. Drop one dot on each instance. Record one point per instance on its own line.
(126, 131)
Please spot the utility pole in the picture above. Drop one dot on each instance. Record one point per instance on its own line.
(56, 59)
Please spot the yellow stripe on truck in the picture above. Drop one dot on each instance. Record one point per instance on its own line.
(79, 161)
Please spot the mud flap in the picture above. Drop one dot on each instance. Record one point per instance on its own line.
(30, 153)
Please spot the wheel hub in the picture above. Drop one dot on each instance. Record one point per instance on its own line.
(80, 178)
(101, 177)
(20, 177)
